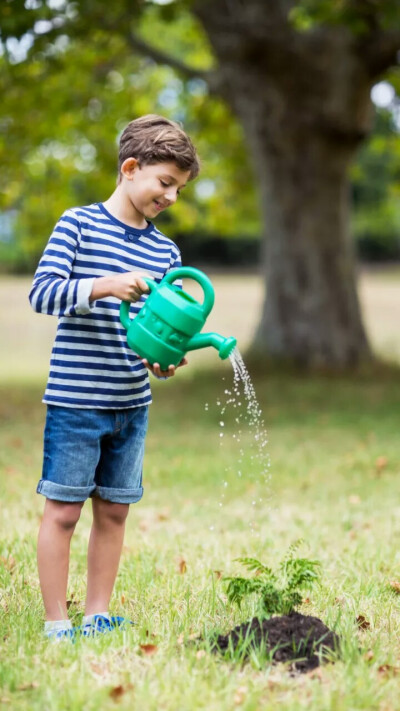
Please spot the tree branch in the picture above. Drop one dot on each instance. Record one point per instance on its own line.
(161, 57)
(212, 78)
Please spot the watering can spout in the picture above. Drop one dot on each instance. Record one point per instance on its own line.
(223, 345)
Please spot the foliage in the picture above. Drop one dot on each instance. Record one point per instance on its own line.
(376, 191)
(357, 15)
(70, 81)
(77, 95)
(276, 592)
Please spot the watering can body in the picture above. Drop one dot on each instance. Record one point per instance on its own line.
(169, 323)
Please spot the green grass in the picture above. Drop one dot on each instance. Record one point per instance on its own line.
(335, 465)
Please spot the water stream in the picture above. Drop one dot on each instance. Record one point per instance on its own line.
(247, 440)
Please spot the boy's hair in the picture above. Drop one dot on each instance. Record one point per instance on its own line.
(155, 139)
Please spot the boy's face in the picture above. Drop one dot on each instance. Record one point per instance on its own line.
(152, 188)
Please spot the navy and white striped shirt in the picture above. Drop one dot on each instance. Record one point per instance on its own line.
(91, 363)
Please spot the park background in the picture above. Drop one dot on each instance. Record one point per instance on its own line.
(72, 76)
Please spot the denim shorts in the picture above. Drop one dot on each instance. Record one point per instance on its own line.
(93, 452)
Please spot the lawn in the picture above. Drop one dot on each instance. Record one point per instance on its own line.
(334, 450)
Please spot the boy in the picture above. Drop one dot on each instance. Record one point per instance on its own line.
(98, 392)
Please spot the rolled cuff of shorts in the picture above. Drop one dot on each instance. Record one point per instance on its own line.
(59, 492)
(118, 496)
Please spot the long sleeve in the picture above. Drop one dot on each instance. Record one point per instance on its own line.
(53, 290)
(175, 263)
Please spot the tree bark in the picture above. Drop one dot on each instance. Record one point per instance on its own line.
(304, 102)
(311, 313)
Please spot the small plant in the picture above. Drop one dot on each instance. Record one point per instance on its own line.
(278, 592)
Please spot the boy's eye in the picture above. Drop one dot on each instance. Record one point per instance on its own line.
(164, 184)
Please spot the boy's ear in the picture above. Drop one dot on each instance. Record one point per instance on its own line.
(128, 167)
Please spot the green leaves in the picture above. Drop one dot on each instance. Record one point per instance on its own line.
(277, 592)
(71, 79)
(239, 588)
(255, 566)
(299, 572)
(359, 16)
(65, 101)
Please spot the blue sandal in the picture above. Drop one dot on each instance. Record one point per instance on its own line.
(58, 635)
(103, 625)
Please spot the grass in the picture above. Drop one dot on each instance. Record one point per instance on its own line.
(334, 472)
(335, 464)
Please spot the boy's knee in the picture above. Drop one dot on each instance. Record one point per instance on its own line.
(108, 511)
(65, 515)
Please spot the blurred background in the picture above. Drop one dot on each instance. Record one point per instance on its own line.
(294, 108)
(295, 112)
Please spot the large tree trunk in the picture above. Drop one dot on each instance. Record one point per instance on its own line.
(311, 313)
(304, 102)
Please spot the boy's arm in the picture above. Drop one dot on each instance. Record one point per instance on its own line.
(128, 286)
(53, 290)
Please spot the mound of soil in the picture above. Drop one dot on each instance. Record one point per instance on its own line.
(300, 639)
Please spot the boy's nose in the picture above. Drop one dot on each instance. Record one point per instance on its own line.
(171, 195)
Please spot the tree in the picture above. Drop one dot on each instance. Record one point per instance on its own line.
(298, 76)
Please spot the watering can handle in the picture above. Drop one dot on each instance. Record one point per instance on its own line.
(200, 277)
(126, 305)
(184, 272)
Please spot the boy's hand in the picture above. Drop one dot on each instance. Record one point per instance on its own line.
(156, 370)
(128, 286)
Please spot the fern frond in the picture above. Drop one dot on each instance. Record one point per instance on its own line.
(239, 588)
(255, 566)
(292, 549)
(276, 592)
(300, 572)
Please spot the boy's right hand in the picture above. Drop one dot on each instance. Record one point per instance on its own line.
(129, 286)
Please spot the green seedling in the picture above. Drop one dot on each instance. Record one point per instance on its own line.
(277, 591)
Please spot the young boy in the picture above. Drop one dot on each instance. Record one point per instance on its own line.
(98, 391)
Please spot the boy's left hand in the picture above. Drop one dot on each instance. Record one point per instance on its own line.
(156, 370)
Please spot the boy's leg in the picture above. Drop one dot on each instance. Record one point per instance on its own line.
(105, 546)
(58, 524)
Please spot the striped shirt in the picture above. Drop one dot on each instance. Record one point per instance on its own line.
(91, 363)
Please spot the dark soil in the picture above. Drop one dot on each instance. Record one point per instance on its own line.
(300, 639)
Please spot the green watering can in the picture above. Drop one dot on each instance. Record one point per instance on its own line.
(169, 323)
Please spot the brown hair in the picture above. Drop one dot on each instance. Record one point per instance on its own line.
(155, 139)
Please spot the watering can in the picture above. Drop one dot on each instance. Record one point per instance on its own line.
(169, 323)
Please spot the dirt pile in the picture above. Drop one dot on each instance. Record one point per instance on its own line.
(301, 639)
